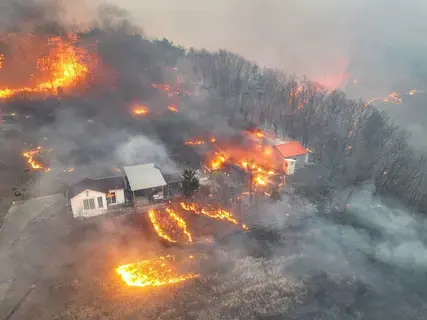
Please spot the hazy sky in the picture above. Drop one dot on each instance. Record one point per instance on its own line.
(312, 37)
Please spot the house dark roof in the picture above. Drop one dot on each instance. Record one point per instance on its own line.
(101, 185)
(173, 177)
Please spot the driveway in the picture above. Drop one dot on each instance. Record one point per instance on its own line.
(31, 232)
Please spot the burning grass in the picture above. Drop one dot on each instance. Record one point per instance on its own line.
(157, 272)
(228, 287)
(31, 156)
(169, 225)
(211, 212)
(56, 64)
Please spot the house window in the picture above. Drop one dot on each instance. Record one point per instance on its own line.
(111, 198)
(100, 202)
(89, 204)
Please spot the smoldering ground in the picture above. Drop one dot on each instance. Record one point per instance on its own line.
(366, 261)
(298, 263)
(362, 262)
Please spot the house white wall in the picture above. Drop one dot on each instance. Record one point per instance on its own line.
(78, 208)
(289, 166)
(120, 196)
(301, 160)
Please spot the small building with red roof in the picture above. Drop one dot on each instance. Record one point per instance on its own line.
(292, 154)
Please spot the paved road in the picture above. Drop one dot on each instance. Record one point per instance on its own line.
(27, 239)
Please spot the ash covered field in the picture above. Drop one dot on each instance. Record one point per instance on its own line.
(83, 101)
(299, 267)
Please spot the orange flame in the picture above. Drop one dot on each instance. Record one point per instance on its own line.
(180, 222)
(257, 159)
(172, 108)
(392, 97)
(140, 110)
(169, 225)
(155, 273)
(194, 142)
(29, 155)
(171, 89)
(214, 213)
(62, 68)
(217, 162)
(413, 91)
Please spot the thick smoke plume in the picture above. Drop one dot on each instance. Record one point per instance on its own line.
(379, 42)
(357, 257)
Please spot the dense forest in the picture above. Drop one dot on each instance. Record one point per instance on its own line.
(354, 142)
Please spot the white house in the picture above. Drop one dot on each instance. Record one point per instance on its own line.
(292, 154)
(92, 197)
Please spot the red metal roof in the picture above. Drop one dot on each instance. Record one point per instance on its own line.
(291, 149)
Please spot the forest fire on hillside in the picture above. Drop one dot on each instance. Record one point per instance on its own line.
(49, 65)
(171, 89)
(394, 97)
(155, 273)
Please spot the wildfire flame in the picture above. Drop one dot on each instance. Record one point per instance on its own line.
(155, 273)
(194, 142)
(171, 89)
(169, 225)
(172, 108)
(62, 67)
(140, 110)
(413, 91)
(218, 161)
(257, 159)
(214, 213)
(30, 155)
(393, 97)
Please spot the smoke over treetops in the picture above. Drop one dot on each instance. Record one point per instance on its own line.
(104, 96)
(378, 43)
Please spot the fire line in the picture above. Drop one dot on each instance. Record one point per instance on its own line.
(169, 225)
(155, 273)
(214, 213)
(62, 68)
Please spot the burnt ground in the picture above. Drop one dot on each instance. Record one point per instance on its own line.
(12, 174)
(50, 270)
